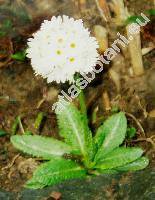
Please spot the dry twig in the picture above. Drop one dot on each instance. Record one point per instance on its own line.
(106, 101)
(137, 122)
(103, 9)
(11, 163)
(150, 140)
(135, 52)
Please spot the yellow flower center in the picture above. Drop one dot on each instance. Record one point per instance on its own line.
(72, 45)
(59, 52)
(72, 59)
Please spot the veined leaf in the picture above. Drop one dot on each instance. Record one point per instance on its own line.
(119, 157)
(34, 184)
(138, 164)
(74, 130)
(111, 134)
(55, 171)
(39, 146)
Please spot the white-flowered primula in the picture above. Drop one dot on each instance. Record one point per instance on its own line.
(62, 47)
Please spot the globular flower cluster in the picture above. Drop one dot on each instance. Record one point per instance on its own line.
(62, 47)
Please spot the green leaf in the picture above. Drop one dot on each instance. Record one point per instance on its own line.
(21, 55)
(7, 24)
(114, 109)
(111, 134)
(139, 164)
(74, 130)
(39, 146)
(119, 157)
(15, 125)
(2, 33)
(131, 132)
(5, 27)
(2, 133)
(133, 18)
(28, 132)
(151, 12)
(39, 119)
(55, 171)
(33, 184)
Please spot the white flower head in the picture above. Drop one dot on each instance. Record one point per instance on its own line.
(61, 48)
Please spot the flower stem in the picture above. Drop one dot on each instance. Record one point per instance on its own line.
(82, 104)
(81, 98)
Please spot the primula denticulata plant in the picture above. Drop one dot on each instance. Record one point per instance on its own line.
(61, 48)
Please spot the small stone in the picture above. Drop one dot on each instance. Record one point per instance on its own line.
(152, 113)
(56, 195)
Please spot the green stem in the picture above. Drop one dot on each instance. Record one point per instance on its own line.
(81, 98)
(17, 123)
(82, 105)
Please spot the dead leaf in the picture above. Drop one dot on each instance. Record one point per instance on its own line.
(56, 195)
